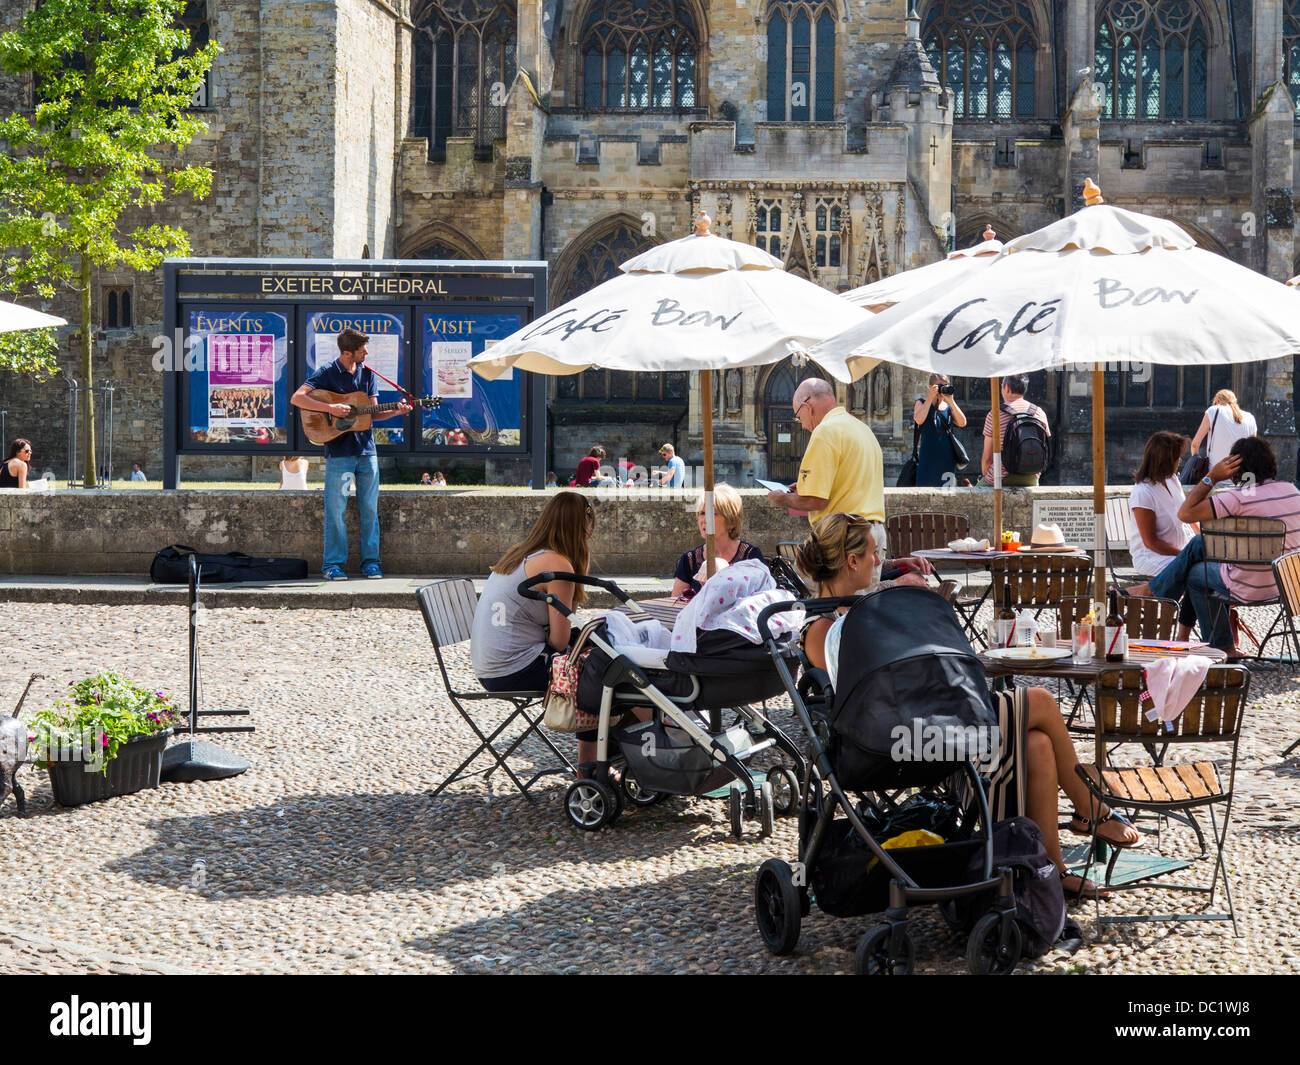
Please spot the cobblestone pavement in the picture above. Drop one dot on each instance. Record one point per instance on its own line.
(330, 856)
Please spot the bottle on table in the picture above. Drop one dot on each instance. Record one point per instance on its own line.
(1006, 621)
(1116, 632)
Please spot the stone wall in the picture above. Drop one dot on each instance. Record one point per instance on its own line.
(434, 532)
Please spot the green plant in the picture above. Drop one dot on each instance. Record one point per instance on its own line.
(97, 716)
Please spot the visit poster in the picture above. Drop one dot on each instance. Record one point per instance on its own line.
(474, 411)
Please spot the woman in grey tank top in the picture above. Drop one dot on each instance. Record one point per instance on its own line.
(513, 638)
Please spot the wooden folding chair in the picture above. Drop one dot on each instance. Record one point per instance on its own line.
(1212, 719)
(1250, 544)
(1286, 570)
(448, 610)
(1118, 537)
(907, 533)
(1144, 619)
(1039, 582)
(785, 571)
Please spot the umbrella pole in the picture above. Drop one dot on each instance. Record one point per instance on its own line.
(1099, 483)
(996, 411)
(706, 396)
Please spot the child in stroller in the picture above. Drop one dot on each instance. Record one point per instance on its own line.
(684, 747)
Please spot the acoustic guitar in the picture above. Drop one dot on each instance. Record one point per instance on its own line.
(321, 427)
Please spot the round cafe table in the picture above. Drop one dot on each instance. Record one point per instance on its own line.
(1140, 654)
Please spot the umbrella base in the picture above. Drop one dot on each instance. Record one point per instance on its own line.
(197, 760)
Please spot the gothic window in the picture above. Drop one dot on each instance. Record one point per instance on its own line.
(984, 53)
(436, 250)
(465, 54)
(195, 20)
(767, 227)
(597, 263)
(1152, 59)
(117, 308)
(1291, 50)
(826, 233)
(800, 62)
(1171, 387)
(639, 54)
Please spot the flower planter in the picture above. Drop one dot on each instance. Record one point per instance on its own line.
(136, 767)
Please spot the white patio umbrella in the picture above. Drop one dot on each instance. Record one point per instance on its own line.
(700, 303)
(883, 294)
(1294, 282)
(1101, 286)
(14, 318)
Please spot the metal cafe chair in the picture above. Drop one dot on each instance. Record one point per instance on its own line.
(1211, 720)
(1250, 544)
(785, 572)
(1287, 572)
(927, 532)
(448, 611)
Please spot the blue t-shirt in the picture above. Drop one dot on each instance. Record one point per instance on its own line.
(678, 479)
(333, 378)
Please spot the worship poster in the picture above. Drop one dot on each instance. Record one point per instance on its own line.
(384, 355)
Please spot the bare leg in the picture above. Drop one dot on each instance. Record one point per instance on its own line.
(1045, 717)
(1040, 803)
(1184, 632)
(1141, 590)
(587, 748)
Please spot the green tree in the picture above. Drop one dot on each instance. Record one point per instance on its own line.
(86, 167)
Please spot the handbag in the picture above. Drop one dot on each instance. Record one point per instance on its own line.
(1198, 466)
(561, 705)
(959, 457)
(907, 475)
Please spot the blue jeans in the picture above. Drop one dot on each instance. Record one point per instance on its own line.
(1188, 573)
(365, 470)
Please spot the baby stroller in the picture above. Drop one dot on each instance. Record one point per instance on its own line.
(882, 781)
(685, 749)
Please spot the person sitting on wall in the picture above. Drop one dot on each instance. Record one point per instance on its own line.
(14, 470)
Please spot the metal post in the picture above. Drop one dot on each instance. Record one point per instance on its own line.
(73, 390)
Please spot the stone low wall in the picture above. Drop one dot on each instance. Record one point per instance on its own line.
(426, 533)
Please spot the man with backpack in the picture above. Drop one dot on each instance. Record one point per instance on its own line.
(1026, 437)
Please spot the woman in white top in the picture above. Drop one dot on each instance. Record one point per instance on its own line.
(293, 472)
(1224, 423)
(1156, 535)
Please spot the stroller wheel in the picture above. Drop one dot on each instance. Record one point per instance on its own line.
(777, 906)
(785, 790)
(637, 795)
(872, 958)
(766, 810)
(591, 804)
(736, 811)
(990, 951)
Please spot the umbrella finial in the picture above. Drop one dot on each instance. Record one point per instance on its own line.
(702, 223)
(1091, 193)
(989, 233)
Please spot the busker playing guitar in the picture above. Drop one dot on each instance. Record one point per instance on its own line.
(350, 453)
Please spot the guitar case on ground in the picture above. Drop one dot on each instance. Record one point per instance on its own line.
(171, 566)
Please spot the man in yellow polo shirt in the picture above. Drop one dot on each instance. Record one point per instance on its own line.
(843, 470)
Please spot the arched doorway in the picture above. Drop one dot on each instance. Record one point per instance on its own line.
(786, 439)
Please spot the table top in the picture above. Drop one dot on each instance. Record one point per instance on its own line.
(1068, 669)
(981, 558)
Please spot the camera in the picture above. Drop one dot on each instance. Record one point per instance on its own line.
(945, 390)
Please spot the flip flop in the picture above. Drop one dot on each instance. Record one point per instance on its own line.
(1081, 826)
(1085, 889)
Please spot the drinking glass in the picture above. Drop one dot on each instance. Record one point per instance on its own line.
(1047, 637)
(1082, 642)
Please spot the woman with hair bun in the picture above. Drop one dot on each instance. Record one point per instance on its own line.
(1036, 755)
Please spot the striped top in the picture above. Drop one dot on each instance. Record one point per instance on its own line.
(1268, 499)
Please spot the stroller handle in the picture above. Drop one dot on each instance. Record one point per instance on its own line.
(812, 607)
(528, 589)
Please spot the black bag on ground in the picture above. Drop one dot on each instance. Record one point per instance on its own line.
(1040, 900)
(171, 565)
(1026, 448)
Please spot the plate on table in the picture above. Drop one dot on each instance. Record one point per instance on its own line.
(1029, 655)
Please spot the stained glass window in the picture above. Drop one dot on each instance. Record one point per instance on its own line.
(984, 53)
(1291, 50)
(800, 62)
(1152, 60)
(639, 55)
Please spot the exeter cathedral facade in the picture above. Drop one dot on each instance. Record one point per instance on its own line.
(851, 138)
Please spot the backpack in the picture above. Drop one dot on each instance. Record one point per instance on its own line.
(1025, 444)
(1040, 900)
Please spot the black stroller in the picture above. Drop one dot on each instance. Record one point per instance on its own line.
(685, 749)
(899, 733)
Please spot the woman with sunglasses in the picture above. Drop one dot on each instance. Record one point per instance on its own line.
(840, 556)
(13, 471)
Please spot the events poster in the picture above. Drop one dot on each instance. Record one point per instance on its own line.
(474, 412)
(387, 333)
(238, 385)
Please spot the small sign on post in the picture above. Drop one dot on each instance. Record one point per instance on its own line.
(1074, 516)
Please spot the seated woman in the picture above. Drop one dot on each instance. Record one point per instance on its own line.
(728, 547)
(1156, 534)
(1252, 465)
(840, 557)
(513, 639)
(14, 470)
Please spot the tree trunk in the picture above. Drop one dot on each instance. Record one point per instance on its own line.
(87, 380)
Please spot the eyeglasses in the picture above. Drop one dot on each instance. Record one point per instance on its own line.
(800, 407)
